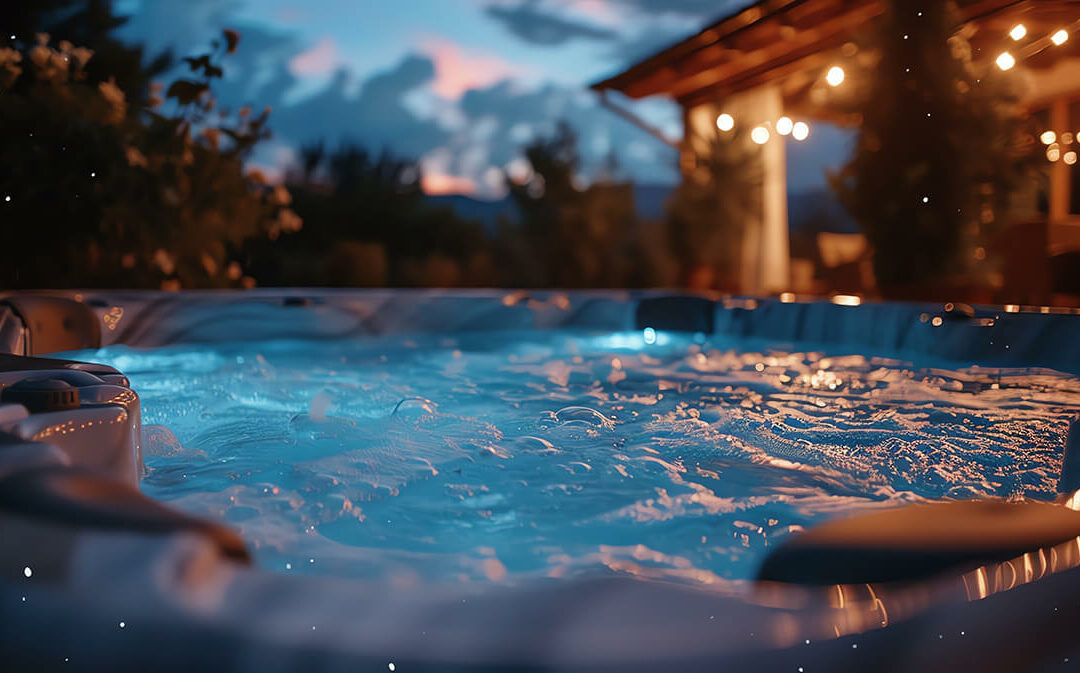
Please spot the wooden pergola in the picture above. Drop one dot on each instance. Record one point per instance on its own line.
(781, 40)
(771, 58)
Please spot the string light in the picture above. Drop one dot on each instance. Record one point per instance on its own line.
(1061, 37)
(725, 122)
(1069, 158)
(760, 135)
(1005, 61)
(784, 126)
(835, 76)
(1048, 137)
(801, 131)
(1018, 32)
(1053, 153)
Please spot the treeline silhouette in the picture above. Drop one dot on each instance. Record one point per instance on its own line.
(110, 180)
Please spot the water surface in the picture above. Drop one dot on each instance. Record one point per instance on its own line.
(496, 457)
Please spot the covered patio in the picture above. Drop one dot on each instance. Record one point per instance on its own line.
(781, 62)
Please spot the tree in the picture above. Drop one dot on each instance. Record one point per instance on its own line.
(109, 186)
(935, 153)
(707, 214)
(367, 223)
(571, 234)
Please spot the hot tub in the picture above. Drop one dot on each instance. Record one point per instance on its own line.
(536, 481)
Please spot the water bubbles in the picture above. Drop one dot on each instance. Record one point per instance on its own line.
(157, 440)
(414, 408)
(587, 416)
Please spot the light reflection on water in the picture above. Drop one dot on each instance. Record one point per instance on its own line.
(491, 457)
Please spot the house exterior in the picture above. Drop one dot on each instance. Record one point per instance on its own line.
(781, 60)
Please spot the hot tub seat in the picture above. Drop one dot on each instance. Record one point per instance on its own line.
(82, 498)
(919, 541)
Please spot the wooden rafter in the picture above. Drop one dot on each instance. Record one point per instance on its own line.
(775, 39)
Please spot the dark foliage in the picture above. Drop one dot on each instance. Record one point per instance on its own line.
(935, 157)
(101, 185)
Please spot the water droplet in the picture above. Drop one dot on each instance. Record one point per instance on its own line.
(320, 404)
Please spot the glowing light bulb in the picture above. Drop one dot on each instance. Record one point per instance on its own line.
(835, 76)
(1006, 61)
(725, 122)
(1048, 137)
(801, 131)
(1061, 37)
(784, 126)
(1069, 158)
(760, 135)
(1053, 153)
(1018, 32)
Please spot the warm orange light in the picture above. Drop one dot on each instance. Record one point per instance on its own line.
(760, 135)
(787, 297)
(1069, 158)
(835, 76)
(725, 122)
(784, 126)
(1018, 32)
(1006, 61)
(1012, 308)
(1061, 37)
(1053, 153)
(1048, 137)
(846, 300)
(801, 131)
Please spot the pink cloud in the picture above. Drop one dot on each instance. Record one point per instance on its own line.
(440, 183)
(321, 59)
(457, 70)
(599, 10)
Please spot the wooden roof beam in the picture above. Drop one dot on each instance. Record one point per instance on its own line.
(828, 33)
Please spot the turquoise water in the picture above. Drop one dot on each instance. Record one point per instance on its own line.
(497, 457)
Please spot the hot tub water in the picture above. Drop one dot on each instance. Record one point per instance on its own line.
(491, 457)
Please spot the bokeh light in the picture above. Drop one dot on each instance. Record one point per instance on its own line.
(835, 76)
